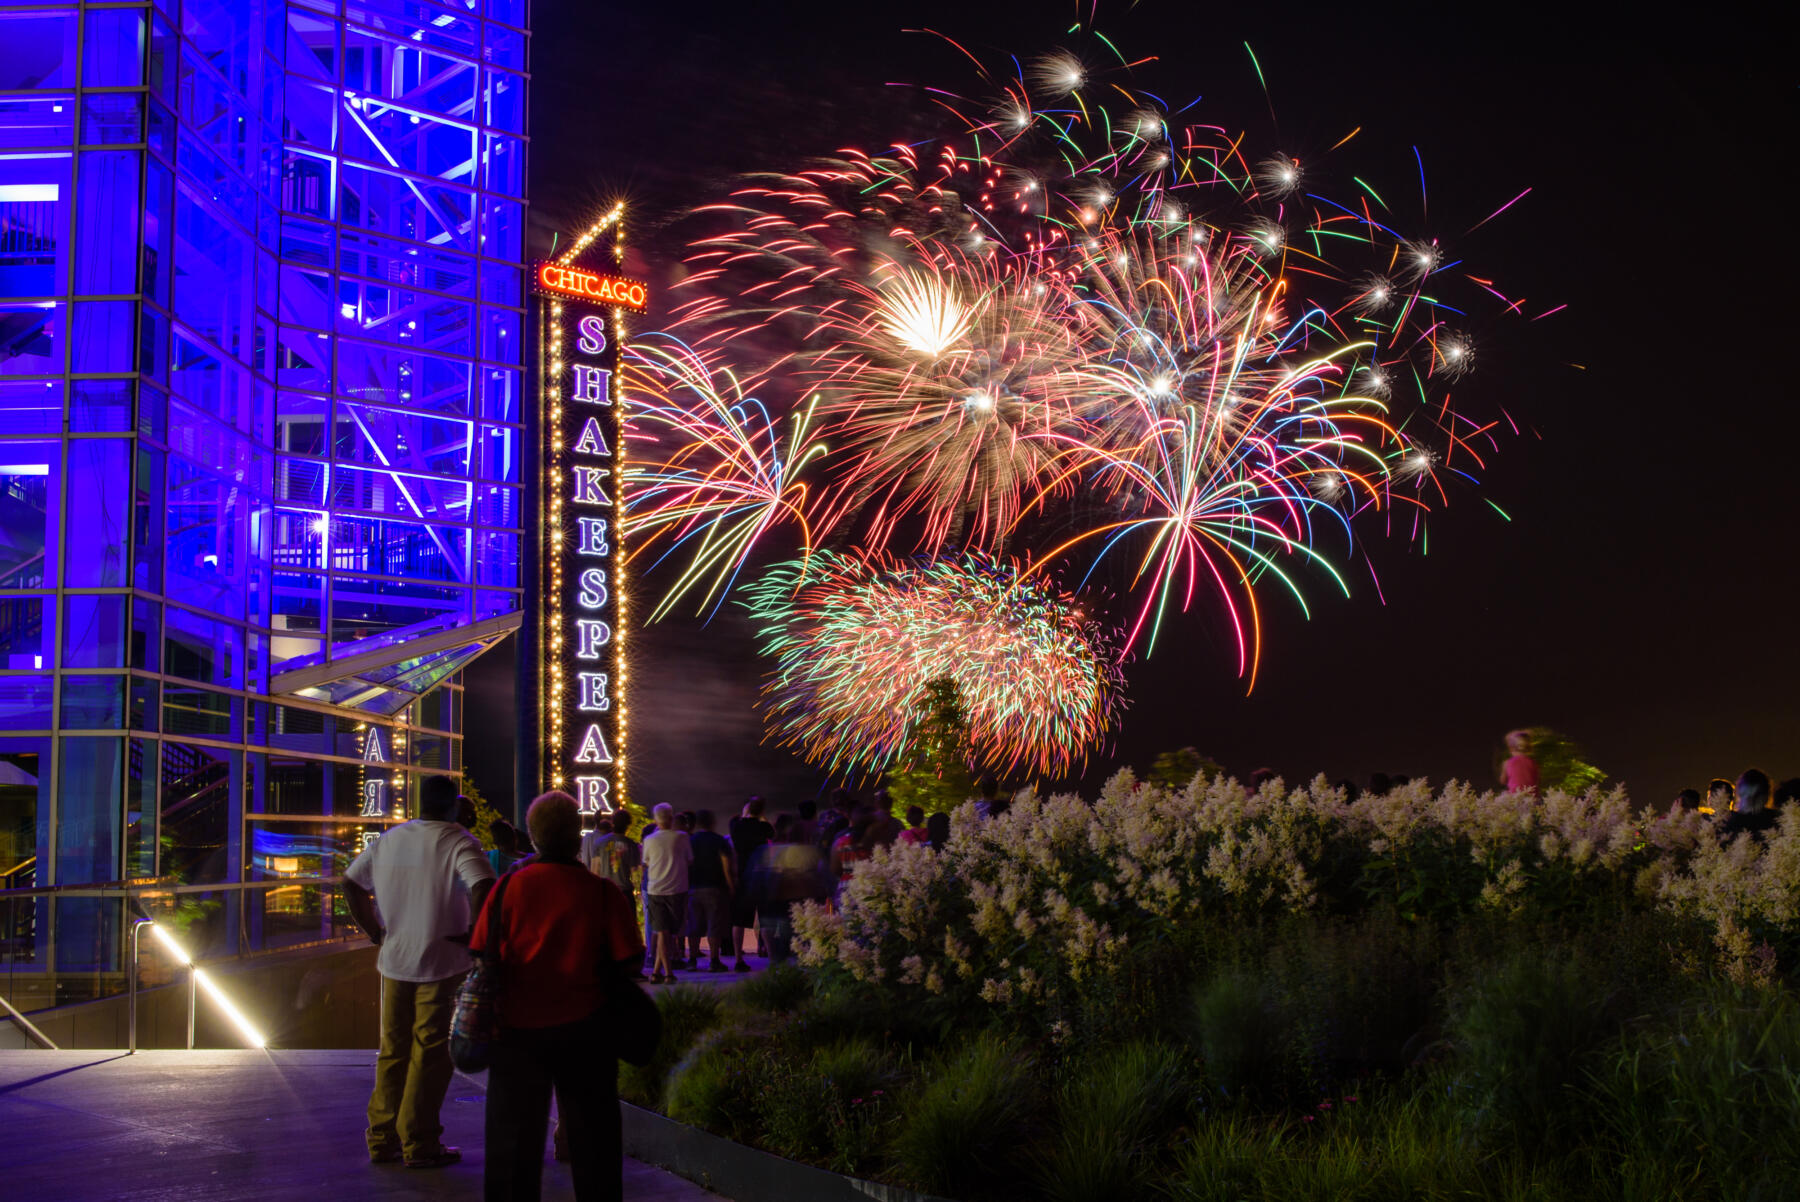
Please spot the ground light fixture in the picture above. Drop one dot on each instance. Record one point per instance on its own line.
(250, 1033)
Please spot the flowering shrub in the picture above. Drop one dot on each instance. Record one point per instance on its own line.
(1057, 905)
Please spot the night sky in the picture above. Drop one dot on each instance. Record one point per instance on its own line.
(1641, 599)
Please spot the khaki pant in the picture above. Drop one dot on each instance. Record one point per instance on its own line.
(413, 1071)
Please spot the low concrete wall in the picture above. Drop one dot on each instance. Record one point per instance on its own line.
(740, 1173)
(323, 997)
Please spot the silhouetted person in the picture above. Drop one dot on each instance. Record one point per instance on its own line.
(1687, 799)
(466, 814)
(1721, 796)
(1348, 788)
(750, 832)
(937, 831)
(506, 845)
(915, 826)
(558, 930)
(1379, 784)
(1750, 812)
(413, 891)
(1259, 778)
(1787, 793)
(711, 879)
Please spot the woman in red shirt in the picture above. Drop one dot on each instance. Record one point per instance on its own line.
(554, 926)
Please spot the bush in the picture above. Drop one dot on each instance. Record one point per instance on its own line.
(1246, 1043)
(1113, 1115)
(1716, 1091)
(963, 1127)
(779, 989)
(688, 1011)
(833, 1108)
(718, 1084)
(1525, 1037)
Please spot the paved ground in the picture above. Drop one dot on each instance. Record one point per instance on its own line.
(210, 1126)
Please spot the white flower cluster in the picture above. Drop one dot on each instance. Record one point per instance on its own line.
(1020, 909)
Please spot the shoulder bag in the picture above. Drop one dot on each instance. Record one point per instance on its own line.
(475, 1022)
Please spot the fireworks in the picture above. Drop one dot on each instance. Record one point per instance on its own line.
(1079, 324)
(854, 643)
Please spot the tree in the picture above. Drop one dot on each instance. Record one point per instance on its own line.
(936, 774)
(1561, 763)
(1175, 770)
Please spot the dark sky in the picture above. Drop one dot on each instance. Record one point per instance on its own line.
(1641, 599)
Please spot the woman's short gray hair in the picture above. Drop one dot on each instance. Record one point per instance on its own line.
(664, 813)
(555, 825)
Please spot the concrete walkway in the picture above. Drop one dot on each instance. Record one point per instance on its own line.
(209, 1126)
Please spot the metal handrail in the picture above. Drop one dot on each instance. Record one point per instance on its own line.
(153, 889)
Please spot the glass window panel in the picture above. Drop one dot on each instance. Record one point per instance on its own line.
(423, 23)
(210, 383)
(298, 608)
(510, 11)
(88, 810)
(160, 130)
(504, 48)
(301, 481)
(498, 456)
(112, 118)
(25, 703)
(31, 497)
(198, 787)
(308, 183)
(370, 610)
(497, 559)
(304, 241)
(153, 345)
(504, 284)
(425, 497)
(311, 45)
(406, 441)
(206, 516)
(24, 819)
(202, 649)
(295, 786)
(25, 626)
(144, 704)
(106, 230)
(213, 176)
(40, 50)
(370, 371)
(503, 165)
(113, 48)
(99, 484)
(303, 359)
(30, 407)
(159, 201)
(497, 506)
(407, 264)
(500, 337)
(31, 341)
(408, 318)
(410, 549)
(387, 203)
(434, 710)
(146, 635)
(505, 97)
(428, 751)
(300, 423)
(492, 604)
(500, 393)
(147, 520)
(140, 809)
(410, 73)
(153, 413)
(215, 109)
(34, 242)
(194, 711)
(305, 298)
(93, 702)
(214, 258)
(164, 52)
(100, 406)
(103, 335)
(300, 538)
(27, 121)
(93, 630)
(309, 114)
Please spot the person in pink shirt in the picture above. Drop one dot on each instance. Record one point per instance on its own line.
(915, 826)
(1520, 772)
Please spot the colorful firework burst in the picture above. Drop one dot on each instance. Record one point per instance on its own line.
(856, 641)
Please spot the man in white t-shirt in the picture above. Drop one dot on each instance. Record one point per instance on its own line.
(667, 854)
(427, 878)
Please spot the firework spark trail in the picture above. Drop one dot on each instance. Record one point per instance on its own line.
(1079, 322)
(710, 474)
(855, 641)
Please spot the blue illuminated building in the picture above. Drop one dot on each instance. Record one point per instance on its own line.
(261, 368)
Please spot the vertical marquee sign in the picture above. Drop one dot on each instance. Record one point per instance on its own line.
(579, 620)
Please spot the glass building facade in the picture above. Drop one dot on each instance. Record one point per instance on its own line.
(261, 369)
